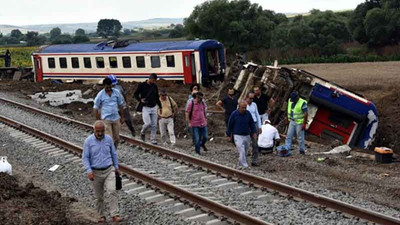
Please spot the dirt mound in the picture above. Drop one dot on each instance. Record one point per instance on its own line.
(32, 205)
(389, 114)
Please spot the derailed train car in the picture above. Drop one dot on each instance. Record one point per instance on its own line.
(334, 112)
(196, 61)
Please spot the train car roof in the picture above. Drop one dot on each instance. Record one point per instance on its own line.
(142, 46)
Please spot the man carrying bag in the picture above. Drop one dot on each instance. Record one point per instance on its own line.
(147, 94)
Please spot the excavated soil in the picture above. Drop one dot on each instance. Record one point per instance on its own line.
(31, 205)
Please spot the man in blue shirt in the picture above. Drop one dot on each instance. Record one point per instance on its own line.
(240, 126)
(101, 163)
(127, 115)
(106, 105)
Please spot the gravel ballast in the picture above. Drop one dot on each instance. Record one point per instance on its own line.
(303, 212)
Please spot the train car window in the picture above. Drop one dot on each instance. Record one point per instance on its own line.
(126, 62)
(63, 62)
(51, 62)
(155, 62)
(100, 62)
(170, 61)
(140, 62)
(113, 62)
(186, 61)
(75, 62)
(87, 62)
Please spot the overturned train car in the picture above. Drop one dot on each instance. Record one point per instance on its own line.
(334, 112)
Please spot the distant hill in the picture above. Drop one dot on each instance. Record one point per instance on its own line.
(6, 29)
(91, 27)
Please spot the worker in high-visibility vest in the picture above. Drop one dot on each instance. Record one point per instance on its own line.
(297, 120)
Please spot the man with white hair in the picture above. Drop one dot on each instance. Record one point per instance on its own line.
(240, 126)
(268, 138)
(101, 163)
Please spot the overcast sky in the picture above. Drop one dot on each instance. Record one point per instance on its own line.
(28, 12)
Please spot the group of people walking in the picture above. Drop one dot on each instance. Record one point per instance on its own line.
(246, 123)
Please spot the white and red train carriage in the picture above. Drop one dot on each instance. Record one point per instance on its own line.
(197, 61)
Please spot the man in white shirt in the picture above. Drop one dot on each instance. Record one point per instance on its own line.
(252, 108)
(268, 138)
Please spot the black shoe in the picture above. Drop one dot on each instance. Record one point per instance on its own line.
(303, 152)
(133, 133)
(143, 137)
(255, 164)
(204, 148)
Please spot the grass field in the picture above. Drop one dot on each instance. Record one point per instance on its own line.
(20, 56)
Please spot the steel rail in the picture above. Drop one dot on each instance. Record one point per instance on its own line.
(205, 203)
(249, 178)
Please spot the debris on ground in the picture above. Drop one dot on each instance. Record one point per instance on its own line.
(60, 98)
(338, 150)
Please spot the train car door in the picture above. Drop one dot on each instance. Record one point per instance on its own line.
(188, 61)
(193, 67)
(38, 68)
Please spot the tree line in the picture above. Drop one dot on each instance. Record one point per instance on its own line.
(106, 28)
(32, 38)
(245, 27)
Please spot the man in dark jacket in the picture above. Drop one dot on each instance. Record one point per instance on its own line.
(240, 126)
(147, 94)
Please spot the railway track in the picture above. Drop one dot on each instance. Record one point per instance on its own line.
(217, 177)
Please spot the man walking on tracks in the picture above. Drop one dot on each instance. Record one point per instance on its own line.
(108, 101)
(101, 163)
(240, 126)
(127, 115)
(167, 116)
(147, 95)
(297, 120)
(196, 118)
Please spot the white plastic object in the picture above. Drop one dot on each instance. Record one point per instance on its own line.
(5, 167)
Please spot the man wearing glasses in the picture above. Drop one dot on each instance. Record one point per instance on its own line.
(252, 108)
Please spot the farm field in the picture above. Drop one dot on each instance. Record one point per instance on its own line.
(20, 56)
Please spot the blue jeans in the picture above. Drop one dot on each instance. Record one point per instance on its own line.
(150, 118)
(295, 128)
(200, 136)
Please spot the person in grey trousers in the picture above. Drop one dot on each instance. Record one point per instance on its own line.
(240, 126)
(147, 94)
(252, 108)
(101, 164)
